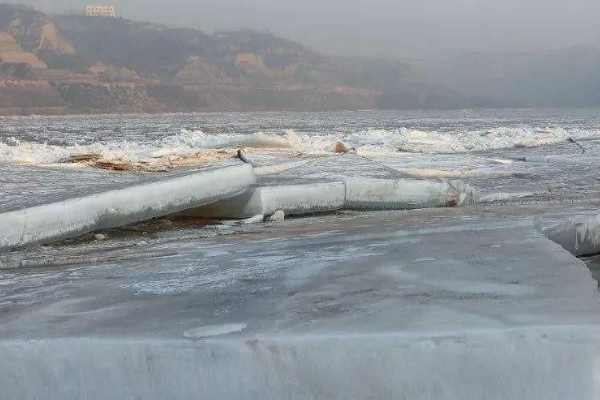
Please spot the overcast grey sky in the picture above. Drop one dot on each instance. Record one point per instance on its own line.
(398, 28)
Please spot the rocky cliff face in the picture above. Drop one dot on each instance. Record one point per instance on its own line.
(107, 64)
(24, 95)
(104, 97)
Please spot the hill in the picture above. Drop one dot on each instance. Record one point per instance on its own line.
(73, 63)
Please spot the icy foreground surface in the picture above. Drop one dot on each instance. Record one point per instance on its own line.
(422, 303)
(544, 364)
(122, 206)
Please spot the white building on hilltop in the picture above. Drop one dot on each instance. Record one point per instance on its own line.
(100, 11)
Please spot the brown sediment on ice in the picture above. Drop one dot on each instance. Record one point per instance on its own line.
(159, 164)
(340, 147)
(174, 161)
(84, 158)
(96, 160)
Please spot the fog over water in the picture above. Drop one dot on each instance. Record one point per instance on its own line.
(397, 28)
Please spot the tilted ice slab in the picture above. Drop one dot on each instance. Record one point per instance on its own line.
(75, 216)
(404, 194)
(373, 185)
(318, 186)
(580, 235)
(292, 199)
(24, 186)
(336, 308)
(349, 193)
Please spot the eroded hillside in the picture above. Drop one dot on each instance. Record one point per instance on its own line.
(84, 64)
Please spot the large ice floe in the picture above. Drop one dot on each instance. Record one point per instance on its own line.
(121, 206)
(225, 192)
(333, 183)
(339, 307)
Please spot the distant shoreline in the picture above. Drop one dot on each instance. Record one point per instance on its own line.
(66, 112)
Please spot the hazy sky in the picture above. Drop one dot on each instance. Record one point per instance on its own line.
(398, 28)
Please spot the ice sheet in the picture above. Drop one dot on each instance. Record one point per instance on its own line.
(393, 303)
(118, 207)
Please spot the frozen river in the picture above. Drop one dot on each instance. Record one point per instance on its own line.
(466, 302)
